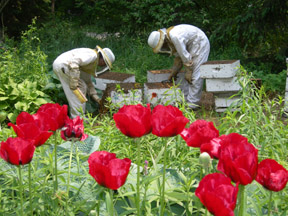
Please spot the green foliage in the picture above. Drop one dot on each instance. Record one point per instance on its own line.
(23, 75)
(272, 82)
(135, 15)
(258, 27)
(24, 96)
(24, 59)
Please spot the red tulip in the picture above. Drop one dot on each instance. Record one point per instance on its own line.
(31, 132)
(199, 132)
(272, 175)
(108, 170)
(17, 151)
(217, 194)
(42, 120)
(133, 120)
(55, 112)
(212, 147)
(73, 129)
(238, 159)
(167, 121)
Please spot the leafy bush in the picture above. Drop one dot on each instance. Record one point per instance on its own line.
(272, 82)
(24, 75)
(18, 97)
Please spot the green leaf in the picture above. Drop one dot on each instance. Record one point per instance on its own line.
(87, 146)
(13, 116)
(21, 106)
(40, 101)
(3, 98)
(109, 203)
(3, 106)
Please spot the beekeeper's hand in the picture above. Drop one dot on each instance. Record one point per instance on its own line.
(93, 93)
(176, 68)
(188, 71)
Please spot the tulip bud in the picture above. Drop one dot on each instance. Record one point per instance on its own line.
(92, 213)
(205, 159)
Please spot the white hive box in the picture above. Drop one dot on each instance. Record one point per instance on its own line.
(286, 102)
(112, 77)
(162, 93)
(219, 69)
(123, 93)
(156, 76)
(225, 100)
(223, 85)
(221, 109)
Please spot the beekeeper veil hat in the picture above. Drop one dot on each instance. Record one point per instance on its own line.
(156, 41)
(108, 57)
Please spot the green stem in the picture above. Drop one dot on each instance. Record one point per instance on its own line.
(55, 160)
(270, 203)
(111, 198)
(69, 170)
(162, 200)
(242, 200)
(98, 208)
(138, 178)
(30, 189)
(21, 189)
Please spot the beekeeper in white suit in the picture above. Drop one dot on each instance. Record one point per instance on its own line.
(191, 48)
(74, 69)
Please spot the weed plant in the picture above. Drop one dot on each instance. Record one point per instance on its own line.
(253, 116)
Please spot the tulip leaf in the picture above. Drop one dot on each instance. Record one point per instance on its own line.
(109, 203)
(93, 142)
(89, 145)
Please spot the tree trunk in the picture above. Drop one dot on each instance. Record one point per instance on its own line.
(2, 28)
(3, 3)
(53, 6)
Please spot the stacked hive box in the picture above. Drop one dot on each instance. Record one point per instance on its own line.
(124, 93)
(161, 93)
(221, 80)
(157, 91)
(122, 89)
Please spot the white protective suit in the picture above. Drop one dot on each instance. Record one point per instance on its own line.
(74, 69)
(191, 48)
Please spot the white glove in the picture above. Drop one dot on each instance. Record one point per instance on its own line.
(74, 74)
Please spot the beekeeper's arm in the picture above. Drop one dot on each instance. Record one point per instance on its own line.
(74, 75)
(177, 65)
(186, 57)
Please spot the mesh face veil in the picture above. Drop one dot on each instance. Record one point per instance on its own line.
(108, 57)
(157, 41)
